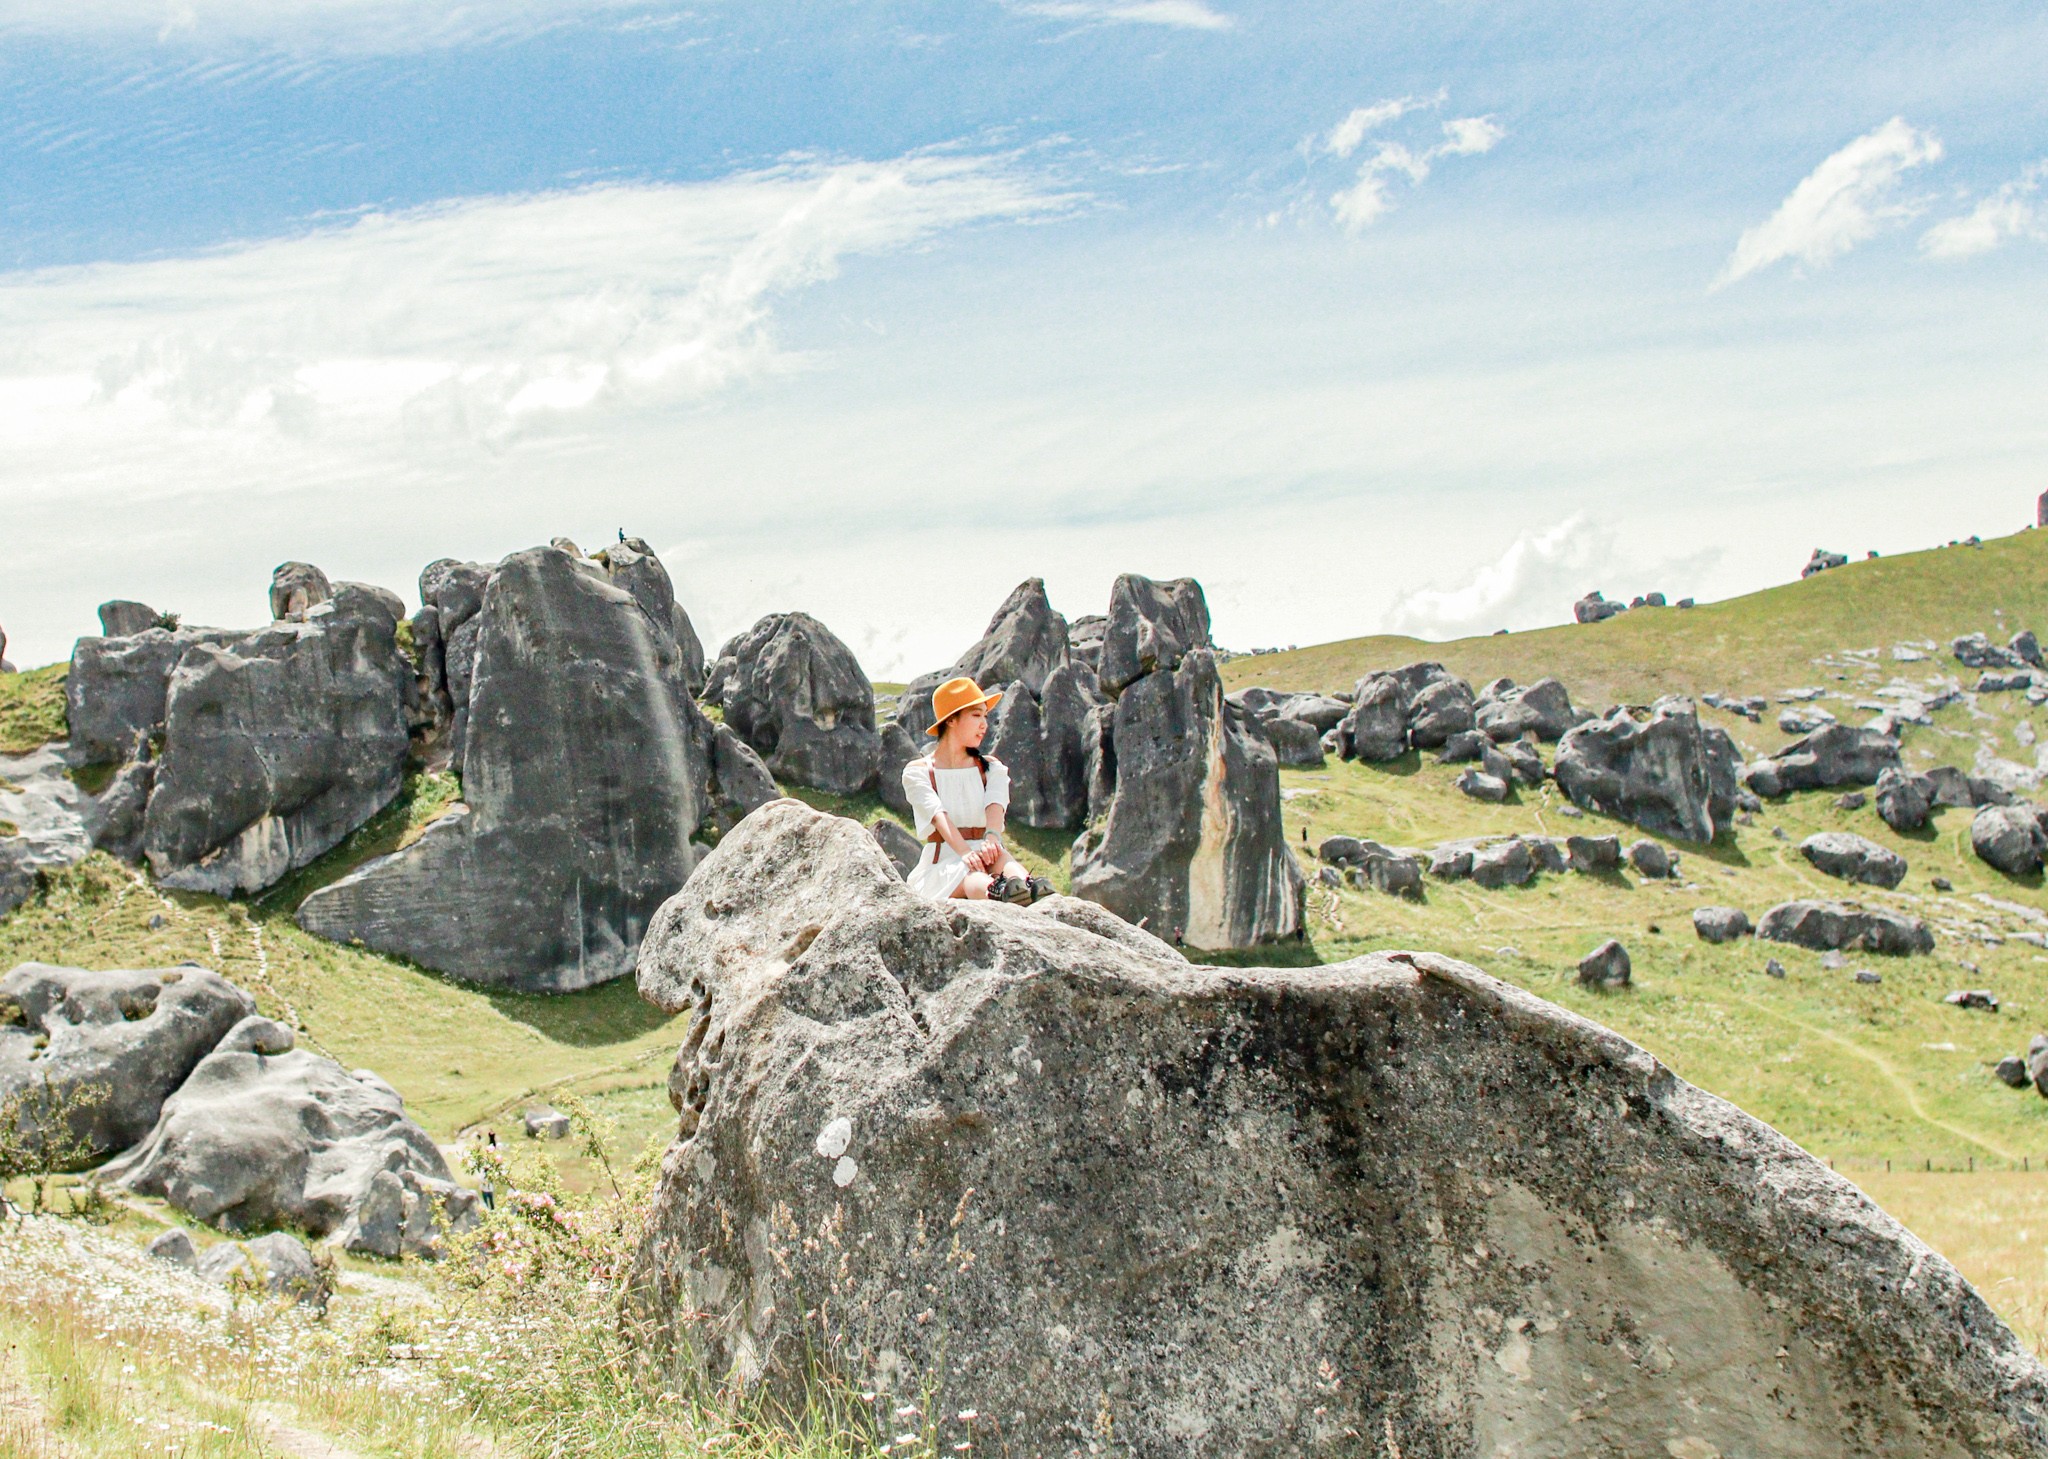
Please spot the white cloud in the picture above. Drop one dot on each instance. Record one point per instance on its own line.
(1364, 202)
(1535, 581)
(479, 319)
(375, 26)
(1182, 14)
(1841, 203)
(2011, 212)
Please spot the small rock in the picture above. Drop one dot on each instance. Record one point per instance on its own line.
(1941, 884)
(1865, 975)
(1592, 855)
(2009, 838)
(1572, 811)
(1481, 786)
(1720, 924)
(2012, 1072)
(1821, 561)
(158, 922)
(1973, 998)
(1508, 864)
(176, 1247)
(903, 849)
(1606, 966)
(1854, 800)
(1651, 859)
(546, 1123)
(1773, 968)
(1854, 858)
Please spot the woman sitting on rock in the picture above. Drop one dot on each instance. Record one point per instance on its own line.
(959, 796)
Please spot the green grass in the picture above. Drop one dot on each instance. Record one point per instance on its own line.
(32, 708)
(1758, 643)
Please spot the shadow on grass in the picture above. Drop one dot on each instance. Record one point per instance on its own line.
(1722, 852)
(611, 1013)
(1289, 954)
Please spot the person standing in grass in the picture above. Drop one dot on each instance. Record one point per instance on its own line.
(959, 797)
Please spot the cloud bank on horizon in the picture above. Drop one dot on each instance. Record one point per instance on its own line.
(1367, 321)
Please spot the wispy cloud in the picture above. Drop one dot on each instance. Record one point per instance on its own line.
(372, 26)
(1845, 201)
(480, 318)
(2011, 212)
(1370, 197)
(1182, 14)
(1535, 581)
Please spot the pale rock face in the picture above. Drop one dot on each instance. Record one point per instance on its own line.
(979, 1157)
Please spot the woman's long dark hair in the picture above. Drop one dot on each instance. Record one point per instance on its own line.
(973, 751)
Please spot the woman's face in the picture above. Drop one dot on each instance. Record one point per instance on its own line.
(970, 727)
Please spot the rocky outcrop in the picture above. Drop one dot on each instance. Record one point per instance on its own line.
(115, 693)
(1904, 801)
(1720, 924)
(797, 695)
(444, 635)
(588, 771)
(1835, 754)
(278, 745)
(90, 1057)
(1185, 835)
(1084, 641)
(263, 1135)
(1026, 641)
(1295, 723)
(1845, 927)
(1663, 772)
(1151, 628)
(1375, 729)
(632, 565)
(2009, 838)
(1506, 710)
(50, 822)
(1595, 609)
(124, 617)
(1976, 651)
(296, 588)
(1854, 858)
(1821, 561)
(995, 1164)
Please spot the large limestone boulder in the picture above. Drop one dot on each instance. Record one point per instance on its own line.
(263, 1135)
(1024, 643)
(1321, 711)
(1000, 1165)
(1185, 836)
(1845, 927)
(1663, 772)
(115, 693)
(1854, 858)
(91, 1056)
(631, 564)
(1834, 754)
(47, 820)
(1375, 729)
(1507, 710)
(2010, 838)
(1151, 627)
(797, 695)
(296, 588)
(123, 617)
(278, 745)
(587, 772)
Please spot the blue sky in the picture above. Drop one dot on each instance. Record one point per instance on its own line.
(1428, 317)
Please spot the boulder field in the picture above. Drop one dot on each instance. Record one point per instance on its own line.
(1035, 1170)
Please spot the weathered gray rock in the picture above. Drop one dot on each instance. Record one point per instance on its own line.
(545, 1122)
(2011, 1071)
(1084, 641)
(631, 564)
(1466, 745)
(122, 807)
(1324, 711)
(277, 746)
(1595, 609)
(1152, 627)
(295, 589)
(94, 1054)
(1904, 801)
(1375, 728)
(2037, 1063)
(254, 1141)
(2025, 647)
(1803, 719)
(1845, 927)
(902, 848)
(1296, 743)
(1952, 787)
(1835, 754)
(1593, 855)
(1043, 740)
(1821, 561)
(1439, 710)
(288, 1267)
(1024, 643)
(1651, 860)
(124, 617)
(51, 823)
(587, 773)
(1522, 761)
(794, 692)
(1982, 999)
(1481, 786)
(1452, 860)
(1393, 870)
(1504, 864)
(2010, 838)
(176, 1248)
(1854, 858)
(1182, 1189)
(115, 693)
(444, 634)
(1606, 966)
(1975, 651)
(1188, 841)
(1720, 924)
(1663, 773)
(1507, 711)
(899, 747)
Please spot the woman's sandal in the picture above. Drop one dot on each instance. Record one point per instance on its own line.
(1040, 888)
(1014, 889)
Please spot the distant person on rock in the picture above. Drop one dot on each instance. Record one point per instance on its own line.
(959, 797)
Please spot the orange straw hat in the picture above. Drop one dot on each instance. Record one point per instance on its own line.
(955, 695)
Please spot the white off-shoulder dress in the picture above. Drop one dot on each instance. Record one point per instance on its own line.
(962, 796)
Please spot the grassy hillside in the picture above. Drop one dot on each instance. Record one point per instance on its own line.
(1755, 644)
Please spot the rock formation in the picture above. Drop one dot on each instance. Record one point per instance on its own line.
(124, 617)
(1721, 924)
(588, 769)
(797, 695)
(52, 823)
(1421, 705)
(994, 1163)
(277, 745)
(115, 693)
(632, 565)
(1507, 710)
(98, 1053)
(1666, 772)
(262, 1135)
(1904, 801)
(1184, 835)
(2009, 838)
(296, 588)
(444, 634)
(1835, 754)
(1845, 927)
(1854, 858)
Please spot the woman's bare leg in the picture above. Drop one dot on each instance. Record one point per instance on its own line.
(1013, 867)
(973, 887)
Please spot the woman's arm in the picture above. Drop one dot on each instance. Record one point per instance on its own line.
(943, 824)
(992, 852)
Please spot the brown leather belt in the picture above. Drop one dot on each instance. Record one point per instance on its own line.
(967, 833)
